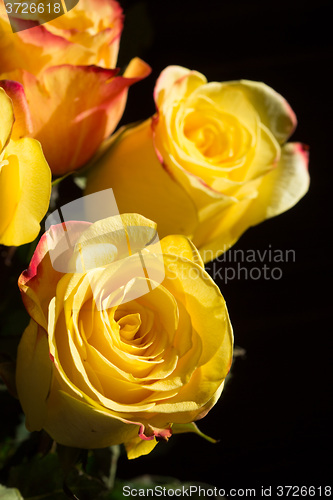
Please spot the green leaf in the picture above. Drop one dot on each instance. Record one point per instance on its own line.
(38, 476)
(84, 487)
(184, 428)
(68, 457)
(43, 478)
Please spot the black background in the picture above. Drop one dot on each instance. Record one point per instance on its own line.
(273, 419)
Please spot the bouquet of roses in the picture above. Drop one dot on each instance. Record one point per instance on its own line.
(126, 338)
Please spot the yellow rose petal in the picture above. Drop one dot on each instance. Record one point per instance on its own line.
(138, 447)
(274, 111)
(34, 375)
(72, 422)
(282, 188)
(35, 191)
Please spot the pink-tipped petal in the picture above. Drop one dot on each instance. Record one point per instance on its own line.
(38, 283)
(74, 108)
(274, 111)
(147, 433)
(22, 125)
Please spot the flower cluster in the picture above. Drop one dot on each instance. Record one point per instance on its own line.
(129, 339)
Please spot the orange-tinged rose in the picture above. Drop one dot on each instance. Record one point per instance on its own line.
(25, 177)
(216, 154)
(72, 109)
(87, 34)
(67, 70)
(101, 364)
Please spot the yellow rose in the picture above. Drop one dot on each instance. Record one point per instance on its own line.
(87, 34)
(110, 356)
(25, 177)
(211, 163)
